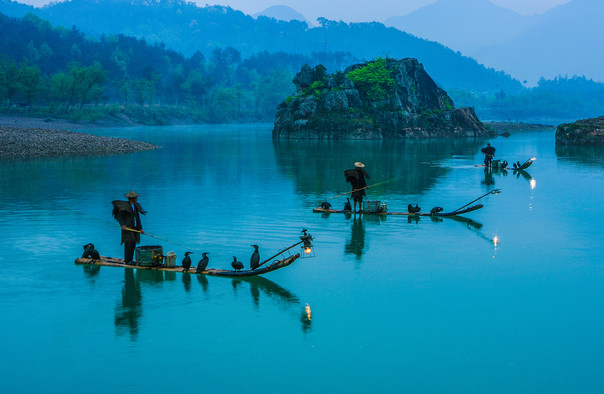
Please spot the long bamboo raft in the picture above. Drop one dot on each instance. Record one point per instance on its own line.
(116, 262)
(438, 214)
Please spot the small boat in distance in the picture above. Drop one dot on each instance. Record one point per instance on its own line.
(498, 164)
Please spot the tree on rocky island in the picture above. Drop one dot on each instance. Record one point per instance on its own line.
(383, 98)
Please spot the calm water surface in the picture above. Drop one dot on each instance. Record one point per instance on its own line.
(397, 305)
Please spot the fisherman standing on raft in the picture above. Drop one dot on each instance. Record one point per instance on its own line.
(127, 213)
(489, 152)
(356, 177)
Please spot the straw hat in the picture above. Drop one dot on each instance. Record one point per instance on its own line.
(359, 164)
(131, 194)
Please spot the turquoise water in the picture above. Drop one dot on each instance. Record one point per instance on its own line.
(396, 305)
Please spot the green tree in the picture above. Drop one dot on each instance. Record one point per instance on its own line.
(374, 81)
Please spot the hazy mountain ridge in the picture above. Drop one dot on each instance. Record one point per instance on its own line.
(282, 13)
(187, 28)
(566, 40)
(455, 23)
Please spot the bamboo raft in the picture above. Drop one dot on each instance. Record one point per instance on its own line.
(116, 262)
(438, 214)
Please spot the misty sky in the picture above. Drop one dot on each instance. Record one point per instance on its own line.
(356, 11)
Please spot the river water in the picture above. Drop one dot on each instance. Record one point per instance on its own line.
(508, 300)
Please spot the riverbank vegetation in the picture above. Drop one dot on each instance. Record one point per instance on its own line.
(57, 72)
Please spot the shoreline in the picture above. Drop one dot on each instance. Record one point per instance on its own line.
(28, 137)
(31, 137)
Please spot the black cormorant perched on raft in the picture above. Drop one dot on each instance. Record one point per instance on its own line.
(90, 252)
(347, 206)
(325, 205)
(413, 209)
(237, 265)
(203, 263)
(186, 262)
(435, 210)
(255, 259)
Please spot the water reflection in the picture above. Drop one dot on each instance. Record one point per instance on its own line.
(356, 243)
(589, 155)
(92, 271)
(318, 166)
(129, 308)
(129, 311)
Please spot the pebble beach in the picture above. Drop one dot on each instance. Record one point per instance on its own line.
(32, 137)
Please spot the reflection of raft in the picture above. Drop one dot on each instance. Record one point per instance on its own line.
(115, 262)
(453, 213)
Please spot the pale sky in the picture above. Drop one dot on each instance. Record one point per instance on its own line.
(354, 10)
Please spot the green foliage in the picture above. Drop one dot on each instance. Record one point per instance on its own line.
(374, 81)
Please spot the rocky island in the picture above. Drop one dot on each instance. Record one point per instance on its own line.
(384, 98)
(581, 132)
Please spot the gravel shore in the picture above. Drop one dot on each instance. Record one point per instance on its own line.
(31, 137)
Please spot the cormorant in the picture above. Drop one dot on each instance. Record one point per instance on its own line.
(413, 209)
(347, 206)
(186, 262)
(90, 252)
(436, 210)
(255, 259)
(325, 205)
(203, 263)
(237, 265)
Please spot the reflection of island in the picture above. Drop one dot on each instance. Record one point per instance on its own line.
(589, 155)
(356, 243)
(318, 166)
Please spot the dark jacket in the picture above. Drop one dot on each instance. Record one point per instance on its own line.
(125, 216)
(356, 177)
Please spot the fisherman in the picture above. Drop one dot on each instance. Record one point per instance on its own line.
(356, 177)
(127, 213)
(489, 152)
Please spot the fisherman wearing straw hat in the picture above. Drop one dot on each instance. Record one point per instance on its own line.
(356, 177)
(127, 213)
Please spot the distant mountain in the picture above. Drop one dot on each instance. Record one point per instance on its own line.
(464, 25)
(187, 28)
(281, 13)
(568, 40)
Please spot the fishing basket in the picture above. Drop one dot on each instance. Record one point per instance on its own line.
(170, 259)
(374, 206)
(148, 255)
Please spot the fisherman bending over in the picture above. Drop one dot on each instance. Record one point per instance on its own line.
(489, 152)
(356, 177)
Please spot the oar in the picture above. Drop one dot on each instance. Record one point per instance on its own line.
(155, 236)
(496, 191)
(356, 190)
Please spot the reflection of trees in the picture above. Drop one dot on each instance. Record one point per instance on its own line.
(589, 155)
(318, 166)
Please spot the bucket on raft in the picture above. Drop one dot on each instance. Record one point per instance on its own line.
(170, 259)
(149, 255)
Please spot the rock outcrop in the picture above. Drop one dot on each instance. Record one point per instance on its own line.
(386, 98)
(581, 132)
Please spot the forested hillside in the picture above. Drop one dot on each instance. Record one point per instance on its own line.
(64, 70)
(187, 28)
